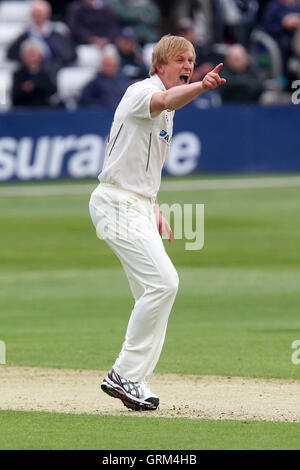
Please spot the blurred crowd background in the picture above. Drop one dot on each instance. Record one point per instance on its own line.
(85, 53)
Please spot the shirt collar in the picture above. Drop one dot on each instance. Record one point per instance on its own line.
(44, 31)
(155, 78)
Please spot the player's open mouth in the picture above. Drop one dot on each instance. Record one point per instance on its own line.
(184, 79)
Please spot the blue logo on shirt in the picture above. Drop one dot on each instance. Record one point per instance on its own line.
(164, 136)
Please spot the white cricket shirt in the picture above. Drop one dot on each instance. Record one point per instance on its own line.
(138, 144)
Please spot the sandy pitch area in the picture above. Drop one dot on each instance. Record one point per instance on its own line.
(189, 396)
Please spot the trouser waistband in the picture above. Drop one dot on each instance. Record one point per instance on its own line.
(117, 188)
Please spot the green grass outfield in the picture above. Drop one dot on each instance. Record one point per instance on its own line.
(28, 430)
(65, 303)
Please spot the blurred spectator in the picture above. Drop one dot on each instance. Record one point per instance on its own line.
(261, 9)
(201, 12)
(206, 56)
(234, 20)
(92, 22)
(132, 64)
(143, 16)
(32, 85)
(55, 38)
(59, 9)
(169, 15)
(243, 84)
(281, 20)
(109, 85)
(296, 43)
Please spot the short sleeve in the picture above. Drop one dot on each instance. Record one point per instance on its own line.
(139, 100)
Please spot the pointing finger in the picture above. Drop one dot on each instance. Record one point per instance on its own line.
(218, 68)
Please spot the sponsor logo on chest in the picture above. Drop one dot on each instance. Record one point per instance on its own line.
(165, 134)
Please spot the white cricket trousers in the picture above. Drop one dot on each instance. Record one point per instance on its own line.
(127, 223)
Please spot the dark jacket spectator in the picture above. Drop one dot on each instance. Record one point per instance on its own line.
(206, 56)
(59, 49)
(59, 9)
(281, 20)
(108, 87)
(243, 84)
(92, 22)
(234, 20)
(143, 16)
(261, 9)
(132, 65)
(32, 86)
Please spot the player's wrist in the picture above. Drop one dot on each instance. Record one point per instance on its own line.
(202, 87)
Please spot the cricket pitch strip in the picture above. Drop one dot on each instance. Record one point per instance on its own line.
(181, 396)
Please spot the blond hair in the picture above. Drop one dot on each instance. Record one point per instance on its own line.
(168, 48)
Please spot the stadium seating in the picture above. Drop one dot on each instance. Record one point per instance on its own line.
(2, 55)
(70, 81)
(15, 11)
(88, 56)
(10, 31)
(268, 62)
(14, 17)
(261, 42)
(5, 89)
(147, 53)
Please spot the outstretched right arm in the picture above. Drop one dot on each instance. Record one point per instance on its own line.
(179, 96)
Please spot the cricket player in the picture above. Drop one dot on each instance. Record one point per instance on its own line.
(124, 210)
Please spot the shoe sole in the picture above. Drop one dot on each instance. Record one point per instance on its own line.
(133, 405)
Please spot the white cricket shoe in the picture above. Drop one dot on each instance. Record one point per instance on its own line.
(134, 395)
